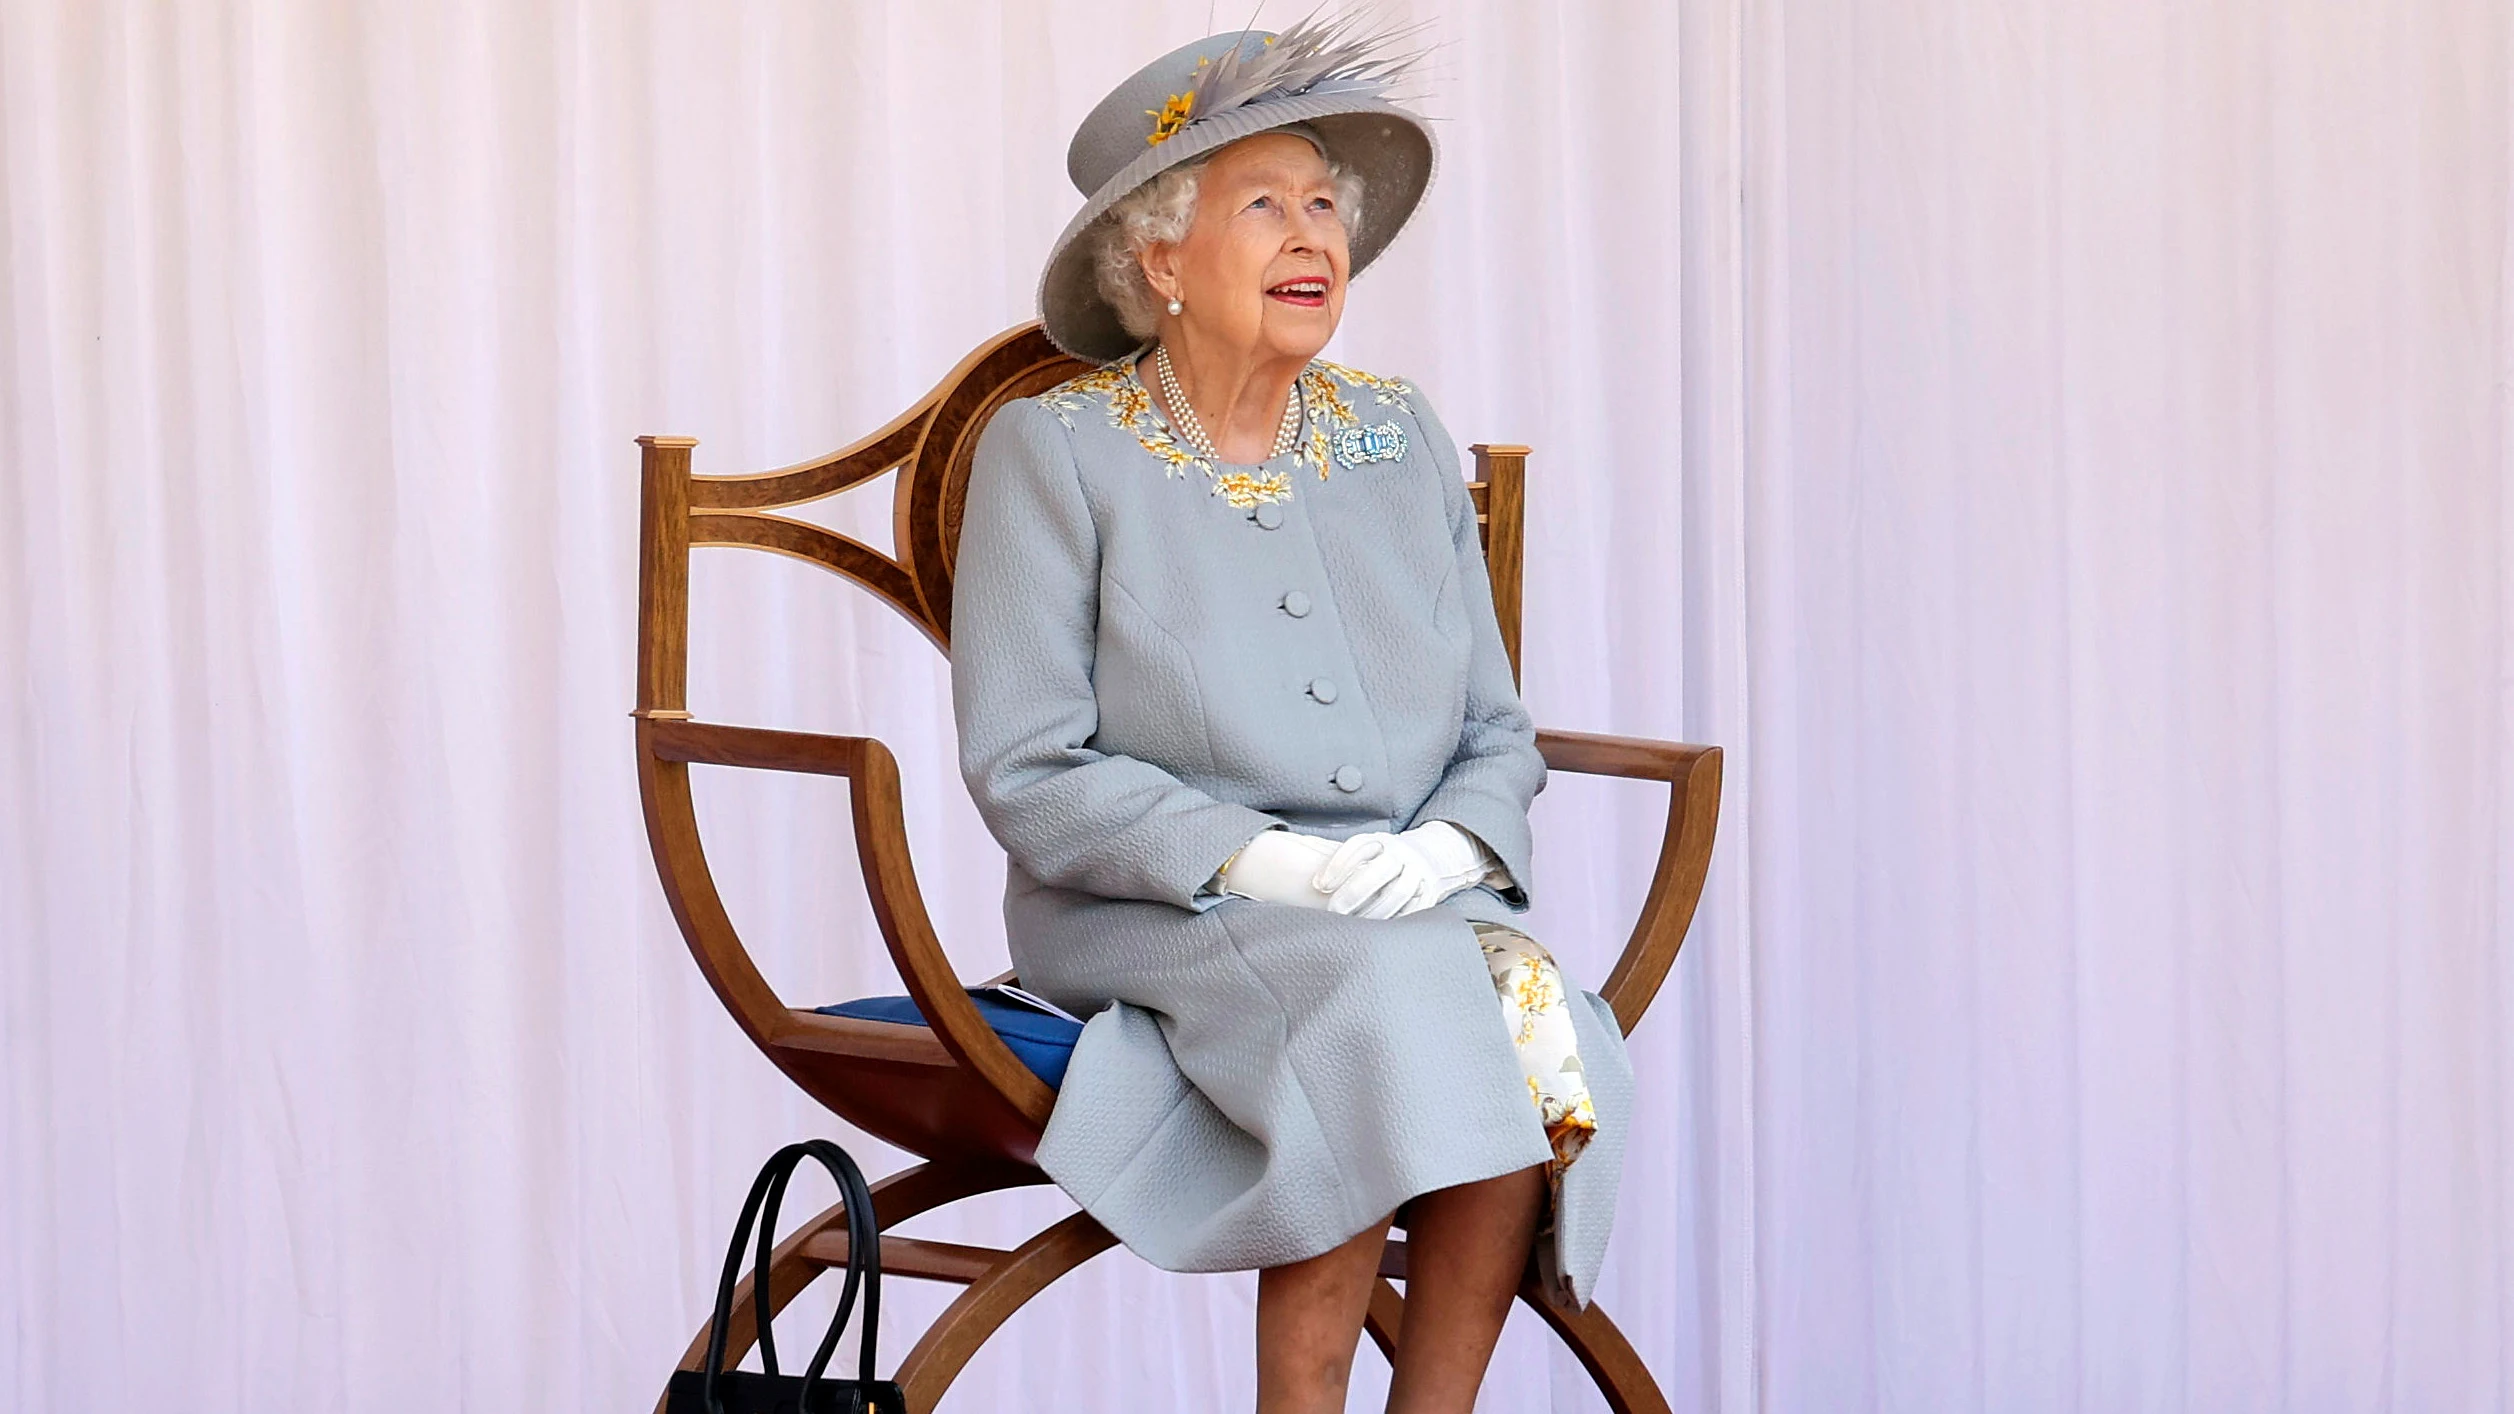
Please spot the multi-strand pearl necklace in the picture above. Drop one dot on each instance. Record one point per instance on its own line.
(1287, 434)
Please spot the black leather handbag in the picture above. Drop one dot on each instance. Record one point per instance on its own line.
(713, 1389)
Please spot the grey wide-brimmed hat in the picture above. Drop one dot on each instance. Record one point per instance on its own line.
(1321, 80)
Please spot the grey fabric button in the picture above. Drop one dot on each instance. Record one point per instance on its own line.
(1269, 516)
(1324, 689)
(1347, 778)
(1296, 604)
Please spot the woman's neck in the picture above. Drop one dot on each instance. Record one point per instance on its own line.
(1237, 395)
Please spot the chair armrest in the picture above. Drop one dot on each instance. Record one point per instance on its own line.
(1693, 817)
(890, 883)
(758, 748)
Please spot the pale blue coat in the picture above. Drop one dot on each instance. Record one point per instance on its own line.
(1153, 659)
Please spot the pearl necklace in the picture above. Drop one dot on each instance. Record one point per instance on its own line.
(1287, 433)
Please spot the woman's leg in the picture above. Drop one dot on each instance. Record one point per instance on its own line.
(1309, 1317)
(1465, 1250)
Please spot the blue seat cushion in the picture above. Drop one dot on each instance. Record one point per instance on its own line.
(1042, 1042)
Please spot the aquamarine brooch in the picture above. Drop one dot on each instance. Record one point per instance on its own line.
(1382, 443)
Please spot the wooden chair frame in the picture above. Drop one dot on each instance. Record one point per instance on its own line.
(951, 1091)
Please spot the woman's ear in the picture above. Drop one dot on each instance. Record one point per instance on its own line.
(1160, 263)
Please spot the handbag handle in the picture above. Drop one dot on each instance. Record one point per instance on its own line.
(864, 1266)
(864, 1258)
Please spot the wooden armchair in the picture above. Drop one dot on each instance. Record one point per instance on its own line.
(951, 1091)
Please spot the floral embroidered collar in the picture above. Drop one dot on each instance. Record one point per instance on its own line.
(1325, 412)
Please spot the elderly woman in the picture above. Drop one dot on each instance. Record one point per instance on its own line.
(1231, 694)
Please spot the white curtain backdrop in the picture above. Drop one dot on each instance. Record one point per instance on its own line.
(2062, 451)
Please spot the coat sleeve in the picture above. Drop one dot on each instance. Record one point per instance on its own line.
(1495, 773)
(1025, 625)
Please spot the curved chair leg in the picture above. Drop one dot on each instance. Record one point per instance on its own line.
(896, 1198)
(991, 1300)
(1604, 1353)
(1600, 1347)
(1386, 1314)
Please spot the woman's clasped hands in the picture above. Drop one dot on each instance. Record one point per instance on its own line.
(1372, 875)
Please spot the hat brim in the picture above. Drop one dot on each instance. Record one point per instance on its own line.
(1390, 149)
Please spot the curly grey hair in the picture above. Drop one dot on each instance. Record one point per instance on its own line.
(1160, 211)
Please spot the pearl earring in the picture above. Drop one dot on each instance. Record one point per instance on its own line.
(1177, 308)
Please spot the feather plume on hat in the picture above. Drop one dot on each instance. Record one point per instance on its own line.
(1339, 54)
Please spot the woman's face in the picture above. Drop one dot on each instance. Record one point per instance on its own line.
(1262, 267)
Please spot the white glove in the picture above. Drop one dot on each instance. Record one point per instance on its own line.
(1459, 859)
(1380, 875)
(1277, 867)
